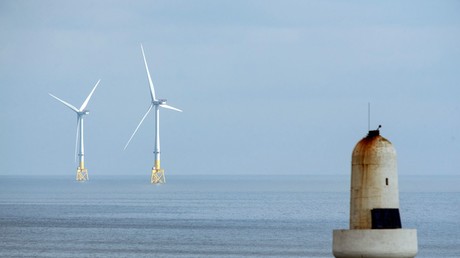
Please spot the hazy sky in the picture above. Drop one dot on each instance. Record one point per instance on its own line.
(267, 87)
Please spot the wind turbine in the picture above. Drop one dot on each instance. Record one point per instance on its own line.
(157, 176)
(82, 172)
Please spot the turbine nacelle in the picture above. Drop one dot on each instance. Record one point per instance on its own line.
(84, 112)
(159, 102)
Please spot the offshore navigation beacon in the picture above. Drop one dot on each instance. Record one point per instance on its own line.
(375, 223)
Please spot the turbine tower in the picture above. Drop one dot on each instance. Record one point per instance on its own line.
(82, 172)
(157, 176)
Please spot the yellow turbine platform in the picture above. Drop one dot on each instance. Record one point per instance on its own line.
(82, 172)
(158, 174)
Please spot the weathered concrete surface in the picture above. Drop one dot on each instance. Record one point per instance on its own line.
(382, 243)
(374, 180)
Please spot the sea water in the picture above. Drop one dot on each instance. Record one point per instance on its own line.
(207, 216)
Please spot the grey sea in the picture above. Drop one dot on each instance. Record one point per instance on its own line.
(207, 216)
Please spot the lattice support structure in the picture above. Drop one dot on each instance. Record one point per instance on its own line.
(158, 176)
(82, 172)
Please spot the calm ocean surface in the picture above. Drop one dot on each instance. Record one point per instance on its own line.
(207, 216)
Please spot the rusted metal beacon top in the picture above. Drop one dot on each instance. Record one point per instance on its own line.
(373, 133)
(373, 149)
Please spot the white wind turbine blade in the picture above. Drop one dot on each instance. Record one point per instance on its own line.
(152, 90)
(65, 103)
(169, 107)
(135, 131)
(83, 106)
(76, 137)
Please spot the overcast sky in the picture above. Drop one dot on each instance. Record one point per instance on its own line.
(267, 87)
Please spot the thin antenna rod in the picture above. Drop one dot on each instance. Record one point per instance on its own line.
(368, 116)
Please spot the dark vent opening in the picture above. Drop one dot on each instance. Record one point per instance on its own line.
(385, 218)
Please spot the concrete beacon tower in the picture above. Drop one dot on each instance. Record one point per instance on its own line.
(375, 224)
